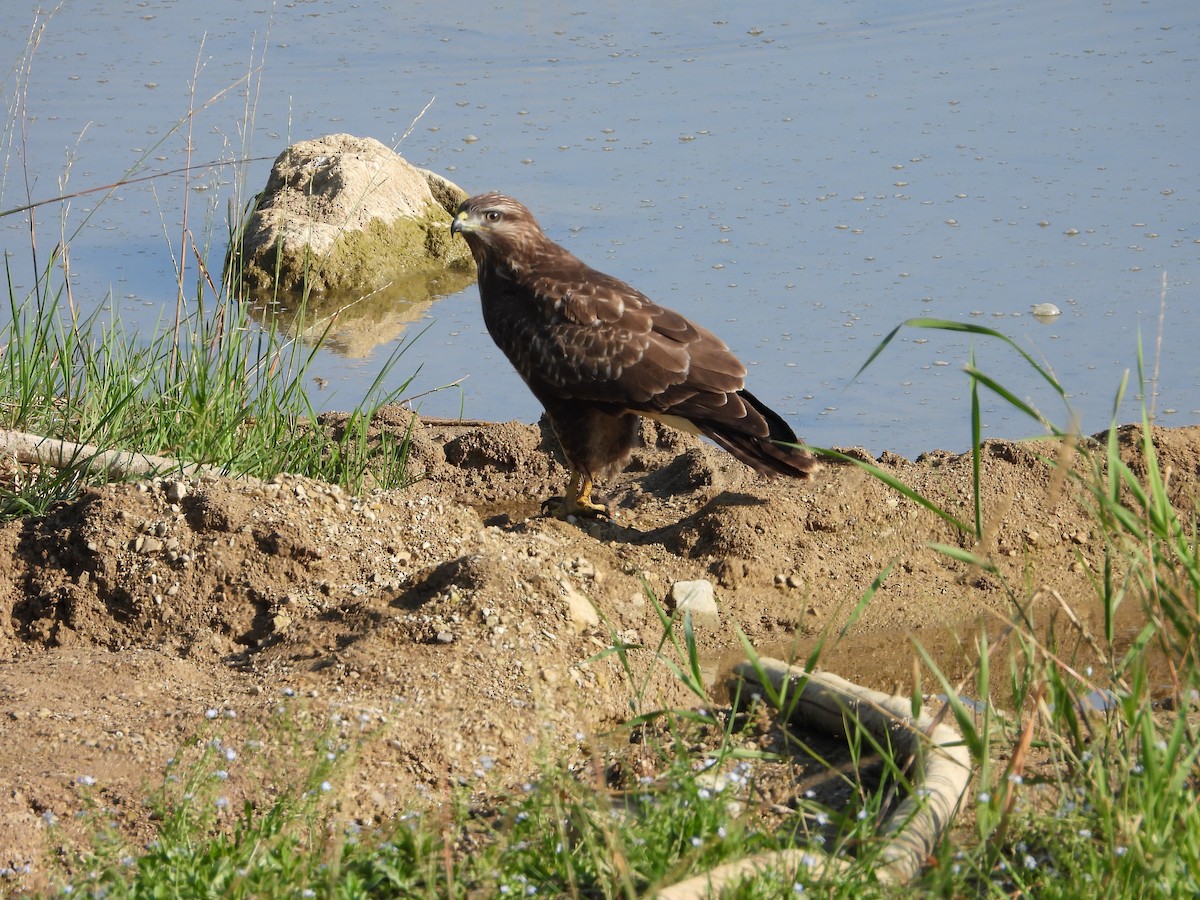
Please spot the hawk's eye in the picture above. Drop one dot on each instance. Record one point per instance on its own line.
(492, 215)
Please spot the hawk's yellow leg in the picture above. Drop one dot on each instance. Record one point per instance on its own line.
(578, 501)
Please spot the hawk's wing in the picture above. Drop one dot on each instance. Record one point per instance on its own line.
(626, 350)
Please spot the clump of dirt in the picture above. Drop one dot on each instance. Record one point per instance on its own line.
(456, 635)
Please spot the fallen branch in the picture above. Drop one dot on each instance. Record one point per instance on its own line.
(33, 449)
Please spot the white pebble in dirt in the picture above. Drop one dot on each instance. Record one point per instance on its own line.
(696, 597)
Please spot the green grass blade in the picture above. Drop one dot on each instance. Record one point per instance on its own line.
(896, 484)
(976, 448)
(965, 328)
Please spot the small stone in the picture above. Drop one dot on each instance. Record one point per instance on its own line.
(793, 581)
(579, 608)
(176, 491)
(445, 637)
(695, 597)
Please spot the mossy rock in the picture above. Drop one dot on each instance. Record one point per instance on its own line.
(343, 214)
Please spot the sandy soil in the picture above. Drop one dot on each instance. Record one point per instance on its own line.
(450, 633)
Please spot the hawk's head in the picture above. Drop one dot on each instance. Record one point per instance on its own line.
(497, 228)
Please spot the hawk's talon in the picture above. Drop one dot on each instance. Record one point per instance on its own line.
(577, 502)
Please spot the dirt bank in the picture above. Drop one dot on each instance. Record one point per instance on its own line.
(459, 630)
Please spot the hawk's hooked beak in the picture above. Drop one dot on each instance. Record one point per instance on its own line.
(461, 222)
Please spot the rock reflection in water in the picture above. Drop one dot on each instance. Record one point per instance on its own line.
(352, 325)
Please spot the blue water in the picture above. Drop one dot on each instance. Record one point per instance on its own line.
(799, 178)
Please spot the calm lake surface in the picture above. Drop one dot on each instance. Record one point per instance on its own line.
(799, 177)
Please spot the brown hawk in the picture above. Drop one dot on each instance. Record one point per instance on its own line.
(597, 353)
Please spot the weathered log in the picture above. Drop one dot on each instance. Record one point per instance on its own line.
(33, 449)
(825, 701)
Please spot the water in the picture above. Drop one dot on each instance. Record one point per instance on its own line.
(800, 179)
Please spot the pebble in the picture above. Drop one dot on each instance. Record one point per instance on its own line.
(695, 597)
(579, 608)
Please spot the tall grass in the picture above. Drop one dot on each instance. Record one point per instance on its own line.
(1087, 783)
(216, 389)
(211, 386)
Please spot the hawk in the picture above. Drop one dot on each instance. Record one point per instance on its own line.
(598, 354)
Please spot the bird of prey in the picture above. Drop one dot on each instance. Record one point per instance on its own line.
(598, 354)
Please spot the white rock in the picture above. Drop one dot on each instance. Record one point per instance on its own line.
(347, 213)
(695, 597)
(583, 614)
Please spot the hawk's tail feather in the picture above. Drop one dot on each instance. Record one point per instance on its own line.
(769, 454)
(763, 455)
